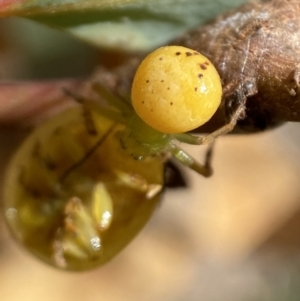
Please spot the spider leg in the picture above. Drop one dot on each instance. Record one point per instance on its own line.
(184, 158)
(86, 111)
(92, 105)
(210, 138)
(113, 100)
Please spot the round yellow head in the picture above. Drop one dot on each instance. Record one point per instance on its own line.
(176, 89)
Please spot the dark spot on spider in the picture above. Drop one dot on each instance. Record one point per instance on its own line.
(151, 110)
(34, 193)
(177, 53)
(36, 150)
(162, 81)
(195, 89)
(200, 75)
(168, 88)
(188, 53)
(196, 53)
(171, 103)
(21, 175)
(50, 164)
(57, 131)
(206, 63)
(203, 67)
(143, 102)
(160, 58)
(147, 81)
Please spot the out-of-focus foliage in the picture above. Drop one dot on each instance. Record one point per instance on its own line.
(130, 25)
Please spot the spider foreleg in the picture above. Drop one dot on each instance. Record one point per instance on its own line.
(187, 160)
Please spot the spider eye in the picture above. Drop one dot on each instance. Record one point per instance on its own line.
(176, 89)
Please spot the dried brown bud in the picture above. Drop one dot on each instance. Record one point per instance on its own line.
(256, 49)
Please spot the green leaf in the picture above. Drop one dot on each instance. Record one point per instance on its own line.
(25, 7)
(129, 25)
